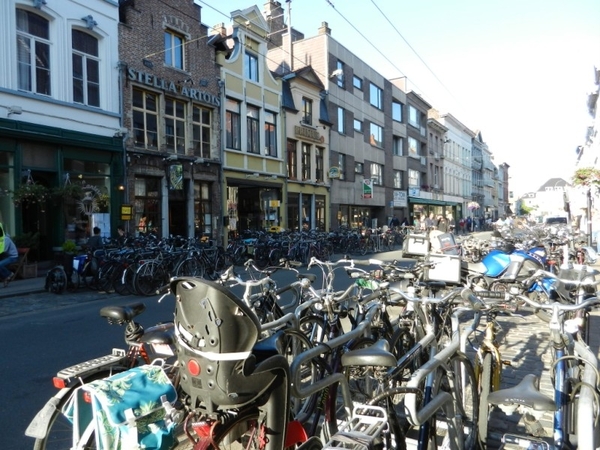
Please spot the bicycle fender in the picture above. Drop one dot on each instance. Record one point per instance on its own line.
(38, 427)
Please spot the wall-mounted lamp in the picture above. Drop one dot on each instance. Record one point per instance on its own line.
(252, 175)
(14, 110)
(271, 177)
(171, 158)
(121, 187)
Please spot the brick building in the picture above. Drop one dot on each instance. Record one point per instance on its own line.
(171, 102)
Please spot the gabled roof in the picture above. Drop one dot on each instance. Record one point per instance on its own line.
(552, 183)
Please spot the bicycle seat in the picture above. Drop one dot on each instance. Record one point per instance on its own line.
(525, 393)
(215, 335)
(121, 314)
(377, 354)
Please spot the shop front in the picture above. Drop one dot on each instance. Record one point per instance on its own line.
(253, 204)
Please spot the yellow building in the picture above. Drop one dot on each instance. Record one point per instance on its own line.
(253, 178)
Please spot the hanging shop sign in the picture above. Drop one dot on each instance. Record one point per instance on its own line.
(334, 172)
(126, 212)
(170, 86)
(367, 188)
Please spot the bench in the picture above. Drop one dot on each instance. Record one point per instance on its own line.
(17, 267)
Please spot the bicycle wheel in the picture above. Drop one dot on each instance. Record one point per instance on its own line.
(485, 384)
(60, 428)
(458, 379)
(149, 277)
(123, 280)
(190, 267)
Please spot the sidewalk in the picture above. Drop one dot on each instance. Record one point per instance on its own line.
(28, 295)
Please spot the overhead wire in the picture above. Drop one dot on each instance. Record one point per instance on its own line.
(413, 50)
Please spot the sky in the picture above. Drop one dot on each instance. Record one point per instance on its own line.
(518, 71)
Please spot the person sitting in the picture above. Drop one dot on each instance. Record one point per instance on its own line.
(8, 255)
(95, 242)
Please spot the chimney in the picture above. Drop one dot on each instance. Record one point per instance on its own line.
(324, 28)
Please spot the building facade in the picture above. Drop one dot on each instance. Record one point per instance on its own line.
(253, 151)
(172, 102)
(307, 128)
(60, 117)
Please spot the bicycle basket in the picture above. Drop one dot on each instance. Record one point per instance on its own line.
(215, 333)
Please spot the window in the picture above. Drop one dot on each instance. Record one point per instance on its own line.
(376, 96)
(413, 116)
(145, 118)
(319, 163)
(86, 72)
(413, 147)
(252, 131)
(306, 169)
(357, 82)
(147, 203)
(306, 111)
(397, 179)
(341, 119)
(340, 73)
(376, 137)
(203, 209)
(33, 53)
(414, 177)
(292, 160)
(232, 124)
(342, 165)
(270, 134)
(201, 125)
(251, 66)
(358, 125)
(397, 111)
(377, 174)
(398, 144)
(175, 125)
(174, 50)
(359, 168)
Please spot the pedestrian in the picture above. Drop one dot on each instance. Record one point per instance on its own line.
(143, 225)
(121, 235)
(469, 224)
(95, 242)
(394, 222)
(442, 224)
(8, 255)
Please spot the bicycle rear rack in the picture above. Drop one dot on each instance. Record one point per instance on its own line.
(361, 431)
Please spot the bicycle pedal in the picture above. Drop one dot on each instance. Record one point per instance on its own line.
(525, 442)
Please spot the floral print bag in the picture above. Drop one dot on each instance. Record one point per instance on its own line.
(131, 410)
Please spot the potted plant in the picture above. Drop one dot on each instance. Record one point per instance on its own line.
(30, 193)
(69, 249)
(67, 192)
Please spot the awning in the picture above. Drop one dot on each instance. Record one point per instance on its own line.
(426, 201)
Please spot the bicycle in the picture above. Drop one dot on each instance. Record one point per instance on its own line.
(575, 380)
(51, 428)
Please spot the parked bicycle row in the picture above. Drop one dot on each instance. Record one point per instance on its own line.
(403, 356)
